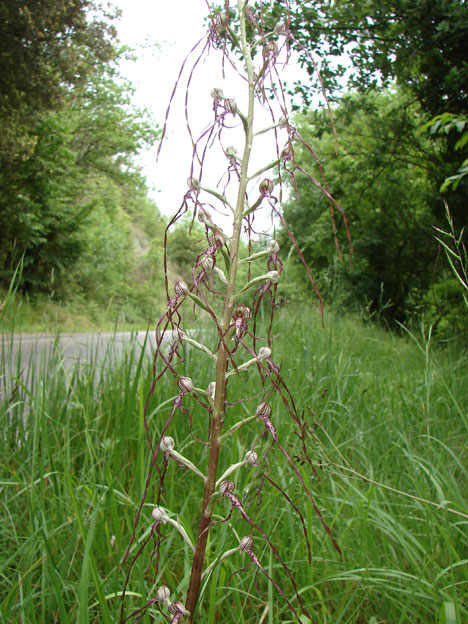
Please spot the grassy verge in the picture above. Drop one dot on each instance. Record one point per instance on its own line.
(388, 425)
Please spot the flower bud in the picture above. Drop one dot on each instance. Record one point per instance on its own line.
(241, 312)
(271, 49)
(273, 246)
(230, 105)
(217, 94)
(186, 384)
(273, 276)
(159, 515)
(246, 543)
(263, 411)
(266, 187)
(227, 487)
(283, 122)
(263, 354)
(113, 541)
(217, 239)
(250, 458)
(163, 594)
(231, 152)
(180, 288)
(287, 153)
(177, 334)
(204, 217)
(221, 21)
(281, 29)
(207, 263)
(177, 608)
(167, 444)
(193, 183)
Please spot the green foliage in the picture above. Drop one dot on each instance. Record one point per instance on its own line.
(420, 47)
(46, 48)
(73, 204)
(419, 44)
(185, 242)
(63, 207)
(444, 124)
(381, 179)
(387, 419)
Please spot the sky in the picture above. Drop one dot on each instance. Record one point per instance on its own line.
(162, 34)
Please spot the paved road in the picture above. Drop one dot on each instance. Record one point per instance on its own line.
(26, 356)
(73, 348)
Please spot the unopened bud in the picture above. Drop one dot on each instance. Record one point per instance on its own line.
(231, 152)
(159, 515)
(270, 49)
(246, 543)
(177, 334)
(113, 541)
(280, 28)
(287, 153)
(217, 239)
(177, 608)
(180, 288)
(273, 277)
(263, 411)
(207, 263)
(193, 183)
(283, 122)
(221, 21)
(250, 458)
(227, 487)
(204, 217)
(241, 312)
(273, 246)
(217, 94)
(163, 594)
(263, 354)
(167, 444)
(186, 384)
(266, 187)
(230, 105)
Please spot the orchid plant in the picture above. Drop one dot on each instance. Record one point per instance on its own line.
(242, 345)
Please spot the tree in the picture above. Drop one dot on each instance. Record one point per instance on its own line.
(47, 47)
(381, 177)
(418, 44)
(81, 155)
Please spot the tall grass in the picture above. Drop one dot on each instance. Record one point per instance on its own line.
(388, 417)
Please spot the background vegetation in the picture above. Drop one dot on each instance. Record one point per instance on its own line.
(388, 420)
(387, 413)
(75, 209)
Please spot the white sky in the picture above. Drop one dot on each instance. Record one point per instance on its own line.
(175, 26)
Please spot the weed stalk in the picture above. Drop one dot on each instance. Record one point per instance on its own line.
(243, 347)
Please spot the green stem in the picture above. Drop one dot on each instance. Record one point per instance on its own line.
(221, 362)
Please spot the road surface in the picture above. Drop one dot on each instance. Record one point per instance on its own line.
(26, 357)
